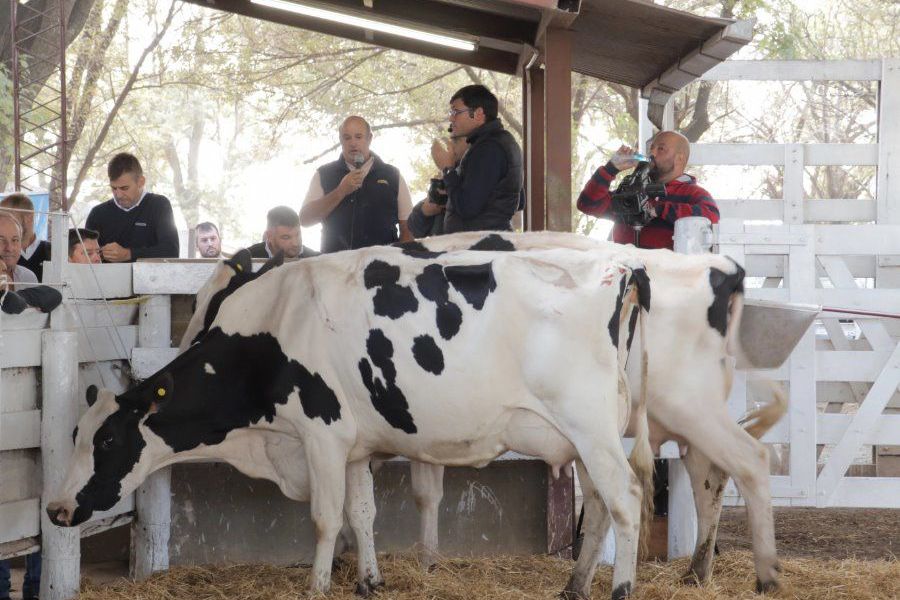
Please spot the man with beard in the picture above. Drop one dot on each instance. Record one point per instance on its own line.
(282, 235)
(669, 154)
(209, 242)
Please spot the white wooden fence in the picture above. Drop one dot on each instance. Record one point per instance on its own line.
(825, 252)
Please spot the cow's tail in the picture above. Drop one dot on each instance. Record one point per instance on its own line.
(760, 420)
(641, 459)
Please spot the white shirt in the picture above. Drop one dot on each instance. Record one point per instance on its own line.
(29, 251)
(404, 198)
(130, 208)
(24, 275)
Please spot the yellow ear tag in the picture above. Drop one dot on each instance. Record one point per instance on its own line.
(239, 267)
(161, 392)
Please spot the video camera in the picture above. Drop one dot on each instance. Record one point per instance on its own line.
(631, 200)
(437, 191)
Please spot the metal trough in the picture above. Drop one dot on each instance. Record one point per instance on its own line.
(770, 331)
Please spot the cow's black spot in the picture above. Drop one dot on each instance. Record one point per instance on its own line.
(252, 376)
(188, 406)
(723, 286)
(391, 300)
(417, 249)
(640, 278)
(474, 282)
(386, 397)
(613, 324)
(632, 326)
(426, 352)
(433, 286)
(493, 242)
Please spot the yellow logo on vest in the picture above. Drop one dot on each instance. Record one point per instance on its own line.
(384, 181)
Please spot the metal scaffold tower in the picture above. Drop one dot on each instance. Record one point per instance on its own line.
(38, 31)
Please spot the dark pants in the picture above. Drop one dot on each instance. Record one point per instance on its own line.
(32, 585)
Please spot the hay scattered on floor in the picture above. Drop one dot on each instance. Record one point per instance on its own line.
(511, 577)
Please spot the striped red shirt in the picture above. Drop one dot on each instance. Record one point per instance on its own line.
(684, 198)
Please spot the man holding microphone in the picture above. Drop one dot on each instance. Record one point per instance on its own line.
(359, 199)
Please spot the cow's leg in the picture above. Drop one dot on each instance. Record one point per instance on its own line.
(746, 459)
(600, 449)
(428, 489)
(327, 472)
(708, 483)
(596, 524)
(360, 511)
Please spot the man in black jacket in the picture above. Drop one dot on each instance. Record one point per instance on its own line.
(485, 187)
(134, 223)
(359, 199)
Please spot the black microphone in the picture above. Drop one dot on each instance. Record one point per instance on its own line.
(358, 160)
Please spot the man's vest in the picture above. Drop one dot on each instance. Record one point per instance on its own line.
(504, 198)
(366, 217)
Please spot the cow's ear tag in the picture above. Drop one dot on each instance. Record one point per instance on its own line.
(239, 267)
(161, 392)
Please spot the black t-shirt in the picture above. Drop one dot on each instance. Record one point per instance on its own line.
(35, 264)
(148, 230)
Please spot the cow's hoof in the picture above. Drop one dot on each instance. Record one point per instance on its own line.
(691, 578)
(572, 595)
(622, 591)
(767, 587)
(365, 589)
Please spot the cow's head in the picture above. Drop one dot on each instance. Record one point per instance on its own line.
(114, 450)
(229, 275)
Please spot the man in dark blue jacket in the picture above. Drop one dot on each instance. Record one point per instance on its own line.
(134, 223)
(484, 189)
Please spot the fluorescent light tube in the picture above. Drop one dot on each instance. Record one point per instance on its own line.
(371, 24)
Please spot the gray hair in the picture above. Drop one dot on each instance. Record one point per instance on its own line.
(4, 214)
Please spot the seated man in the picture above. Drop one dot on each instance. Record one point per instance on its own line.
(11, 251)
(83, 246)
(134, 223)
(209, 242)
(34, 251)
(282, 234)
(20, 284)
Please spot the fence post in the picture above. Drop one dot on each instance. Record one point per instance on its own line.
(60, 546)
(693, 235)
(152, 500)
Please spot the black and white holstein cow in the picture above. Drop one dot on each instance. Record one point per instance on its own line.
(691, 329)
(453, 359)
(694, 316)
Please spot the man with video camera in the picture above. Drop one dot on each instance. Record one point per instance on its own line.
(650, 200)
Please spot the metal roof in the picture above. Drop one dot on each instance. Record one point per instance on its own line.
(631, 42)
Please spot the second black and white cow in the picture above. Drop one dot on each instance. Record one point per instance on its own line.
(691, 333)
(312, 368)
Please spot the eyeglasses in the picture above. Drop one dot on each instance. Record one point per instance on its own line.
(457, 111)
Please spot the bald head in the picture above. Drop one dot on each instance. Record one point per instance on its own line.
(356, 135)
(670, 151)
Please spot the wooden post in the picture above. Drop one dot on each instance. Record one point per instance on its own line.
(692, 236)
(888, 187)
(60, 546)
(558, 103)
(801, 284)
(153, 500)
(536, 208)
